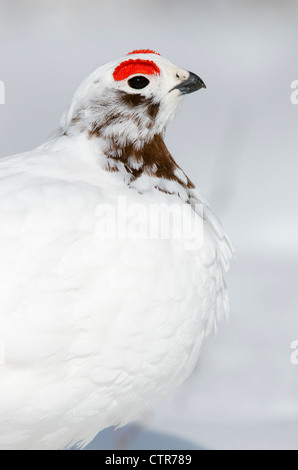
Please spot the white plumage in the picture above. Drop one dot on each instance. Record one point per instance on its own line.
(96, 330)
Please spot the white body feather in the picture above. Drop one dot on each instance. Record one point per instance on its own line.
(93, 332)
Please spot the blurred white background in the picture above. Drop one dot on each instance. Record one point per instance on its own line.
(237, 140)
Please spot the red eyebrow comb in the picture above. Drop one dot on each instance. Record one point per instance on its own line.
(143, 51)
(132, 67)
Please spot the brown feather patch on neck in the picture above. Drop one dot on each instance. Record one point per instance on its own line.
(153, 159)
(149, 156)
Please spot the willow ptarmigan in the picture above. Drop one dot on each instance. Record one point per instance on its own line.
(105, 299)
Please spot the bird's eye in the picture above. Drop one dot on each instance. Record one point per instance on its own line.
(138, 82)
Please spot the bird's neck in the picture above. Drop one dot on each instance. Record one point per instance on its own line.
(144, 164)
(130, 140)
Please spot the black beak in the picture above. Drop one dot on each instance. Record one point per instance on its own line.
(193, 83)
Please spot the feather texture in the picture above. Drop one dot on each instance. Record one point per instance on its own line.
(96, 330)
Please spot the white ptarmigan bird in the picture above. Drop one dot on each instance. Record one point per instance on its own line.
(98, 322)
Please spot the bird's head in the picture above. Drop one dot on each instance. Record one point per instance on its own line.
(126, 106)
(132, 99)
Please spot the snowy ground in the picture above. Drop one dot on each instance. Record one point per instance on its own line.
(237, 140)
